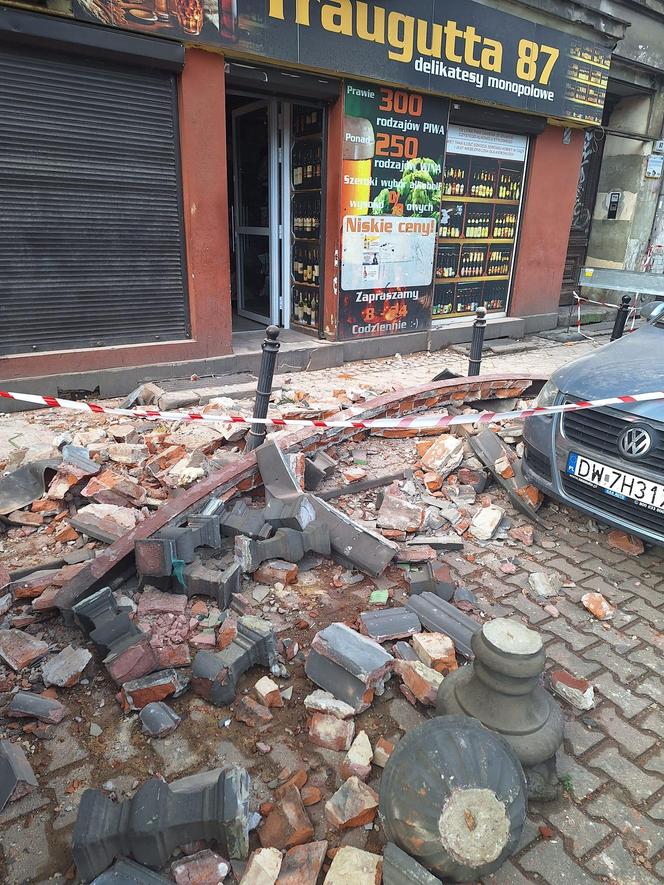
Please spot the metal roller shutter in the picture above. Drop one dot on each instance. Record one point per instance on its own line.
(91, 240)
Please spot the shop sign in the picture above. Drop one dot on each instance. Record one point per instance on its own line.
(193, 21)
(391, 188)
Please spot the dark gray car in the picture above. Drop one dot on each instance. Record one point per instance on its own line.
(607, 462)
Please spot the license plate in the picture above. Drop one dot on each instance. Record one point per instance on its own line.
(617, 483)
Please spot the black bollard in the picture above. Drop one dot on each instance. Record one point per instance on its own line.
(270, 348)
(476, 342)
(621, 317)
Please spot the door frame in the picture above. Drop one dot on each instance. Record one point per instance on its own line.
(272, 231)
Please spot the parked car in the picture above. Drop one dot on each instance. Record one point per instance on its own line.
(606, 462)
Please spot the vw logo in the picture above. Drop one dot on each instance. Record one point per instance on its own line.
(635, 442)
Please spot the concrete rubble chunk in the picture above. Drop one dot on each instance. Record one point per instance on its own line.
(159, 819)
(353, 805)
(440, 616)
(215, 674)
(302, 864)
(390, 623)
(436, 650)
(202, 868)
(358, 759)
(421, 680)
(66, 668)
(321, 701)
(331, 733)
(287, 824)
(287, 544)
(444, 456)
(544, 585)
(356, 866)
(126, 872)
(400, 868)
(19, 649)
(158, 719)
(263, 867)
(351, 666)
(354, 544)
(17, 778)
(399, 514)
(138, 693)
(577, 692)
(26, 703)
(485, 522)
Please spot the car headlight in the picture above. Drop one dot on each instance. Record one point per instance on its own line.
(548, 394)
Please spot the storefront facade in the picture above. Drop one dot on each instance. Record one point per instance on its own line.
(178, 171)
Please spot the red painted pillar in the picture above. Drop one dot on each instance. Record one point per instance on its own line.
(547, 216)
(205, 198)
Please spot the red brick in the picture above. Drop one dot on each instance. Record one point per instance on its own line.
(353, 805)
(302, 864)
(296, 779)
(310, 795)
(287, 824)
(173, 655)
(226, 633)
(382, 751)
(20, 649)
(626, 543)
(276, 570)
(422, 681)
(252, 713)
(203, 868)
(157, 602)
(133, 662)
(26, 517)
(331, 733)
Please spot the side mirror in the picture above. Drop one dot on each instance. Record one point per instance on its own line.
(652, 310)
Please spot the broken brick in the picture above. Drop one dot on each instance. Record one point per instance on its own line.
(310, 795)
(419, 553)
(421, 680)
(296, 779)
(382, 752)
(127, 453)
(263, 867)
(226, 633)
(33, 585)
(138, 693)
(105, 522)
(628, 544)
(432, 481)
(173, 655)
(353, 474)
(19, 649)
(398, 514)
(353, 805)
(578, 692)
(358, 760)
(114, 488)
(436, 650)
(66, 533)
(157, 602)
(287, 824)
(598, 605)
(67, 477)
(356, 866)
(268, 692)
(133, 660)
(202, 868)
(276, 570)
(251, 712)
(523, 533)
(444, 456)
(323, 702)
(26, 517)
(331, 733)
(66, 668)
(302, 864)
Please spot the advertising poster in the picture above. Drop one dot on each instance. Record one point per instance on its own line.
(479, 217)
(450, 47)
(193, 21)
(394, 142)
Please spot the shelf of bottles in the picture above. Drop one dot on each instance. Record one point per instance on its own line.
(477, 230)
(306, 206)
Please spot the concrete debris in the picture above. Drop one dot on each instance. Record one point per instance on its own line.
(422, 681)
(331, 733)
(160, 819)
(544, 586)
(158, 720)
(66, 668)
(19, 649)
(390, 623)
(17, 778)
(287, 824)
(357, 761)
(318, 469)
(323, 702)
(138, 693)
(35, 706)
(353, 805)
(126, 872)
(444, 456)
(578, 692)
(263, 867)
(202, 868)
(485, 522)
(215, 674)
(243, 520)
(439, 616)
(436, 650)
(356, 866)
(302, 864)
(598, 606)
(351, 666)
(400, 868)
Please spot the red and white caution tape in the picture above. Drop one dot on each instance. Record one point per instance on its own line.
(414, 421)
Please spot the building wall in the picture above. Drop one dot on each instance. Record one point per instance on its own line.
(202, 121)
(545, 223)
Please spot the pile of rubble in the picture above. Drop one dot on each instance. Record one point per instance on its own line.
(229, 587)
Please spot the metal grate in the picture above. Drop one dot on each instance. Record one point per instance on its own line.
(91, 242)
(599, 429)
(538, 462)
(624, 511)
